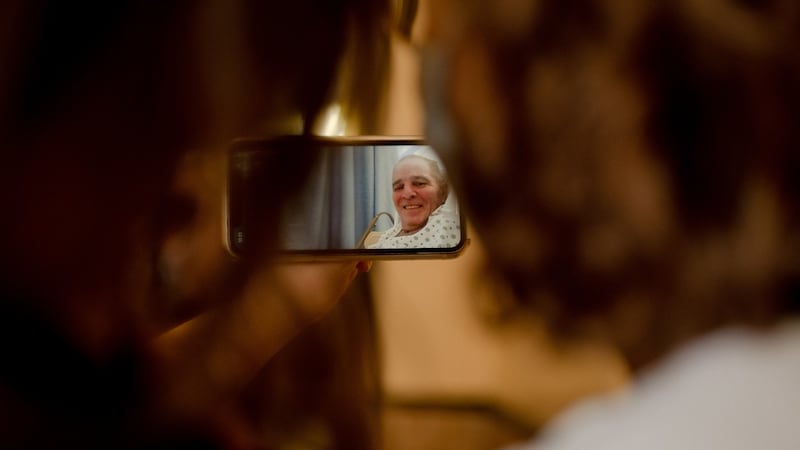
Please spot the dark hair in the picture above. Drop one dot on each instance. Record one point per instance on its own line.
(642, 140)
(99, 102)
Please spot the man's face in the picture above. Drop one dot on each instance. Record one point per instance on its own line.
(415, 192)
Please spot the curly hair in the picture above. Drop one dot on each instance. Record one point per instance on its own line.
(653, 153)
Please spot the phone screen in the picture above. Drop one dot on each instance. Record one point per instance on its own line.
(370, 198)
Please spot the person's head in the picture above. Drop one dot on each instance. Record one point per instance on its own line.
(629, 165)
(99, 102)
(418, 188)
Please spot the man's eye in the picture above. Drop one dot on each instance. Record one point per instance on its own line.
(398, 187)
(420, 183)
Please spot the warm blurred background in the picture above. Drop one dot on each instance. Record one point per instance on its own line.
(455, 374)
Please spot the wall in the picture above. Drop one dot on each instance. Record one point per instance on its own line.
(438, 341)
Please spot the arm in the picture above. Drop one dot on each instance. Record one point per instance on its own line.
(208, 360)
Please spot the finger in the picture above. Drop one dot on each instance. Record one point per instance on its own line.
(364, 266)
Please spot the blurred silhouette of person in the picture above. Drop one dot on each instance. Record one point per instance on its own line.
(100, 104)
(633, 170)
(419, 191)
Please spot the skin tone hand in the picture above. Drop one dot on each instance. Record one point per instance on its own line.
(205, 362)
(212, 357)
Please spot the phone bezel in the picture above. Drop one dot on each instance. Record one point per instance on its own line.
(335, 254)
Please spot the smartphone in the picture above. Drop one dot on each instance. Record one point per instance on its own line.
(318, 198)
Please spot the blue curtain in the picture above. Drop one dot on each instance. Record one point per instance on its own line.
(348, 187)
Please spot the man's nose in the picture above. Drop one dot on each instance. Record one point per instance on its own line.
(409, 192)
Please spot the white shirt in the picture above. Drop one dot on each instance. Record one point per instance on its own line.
(734, 389)
(442, 230)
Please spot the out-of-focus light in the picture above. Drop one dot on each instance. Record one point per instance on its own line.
(332, 121)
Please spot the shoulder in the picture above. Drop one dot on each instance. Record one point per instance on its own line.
(734, 389)
(442, 230)
(442, 219)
